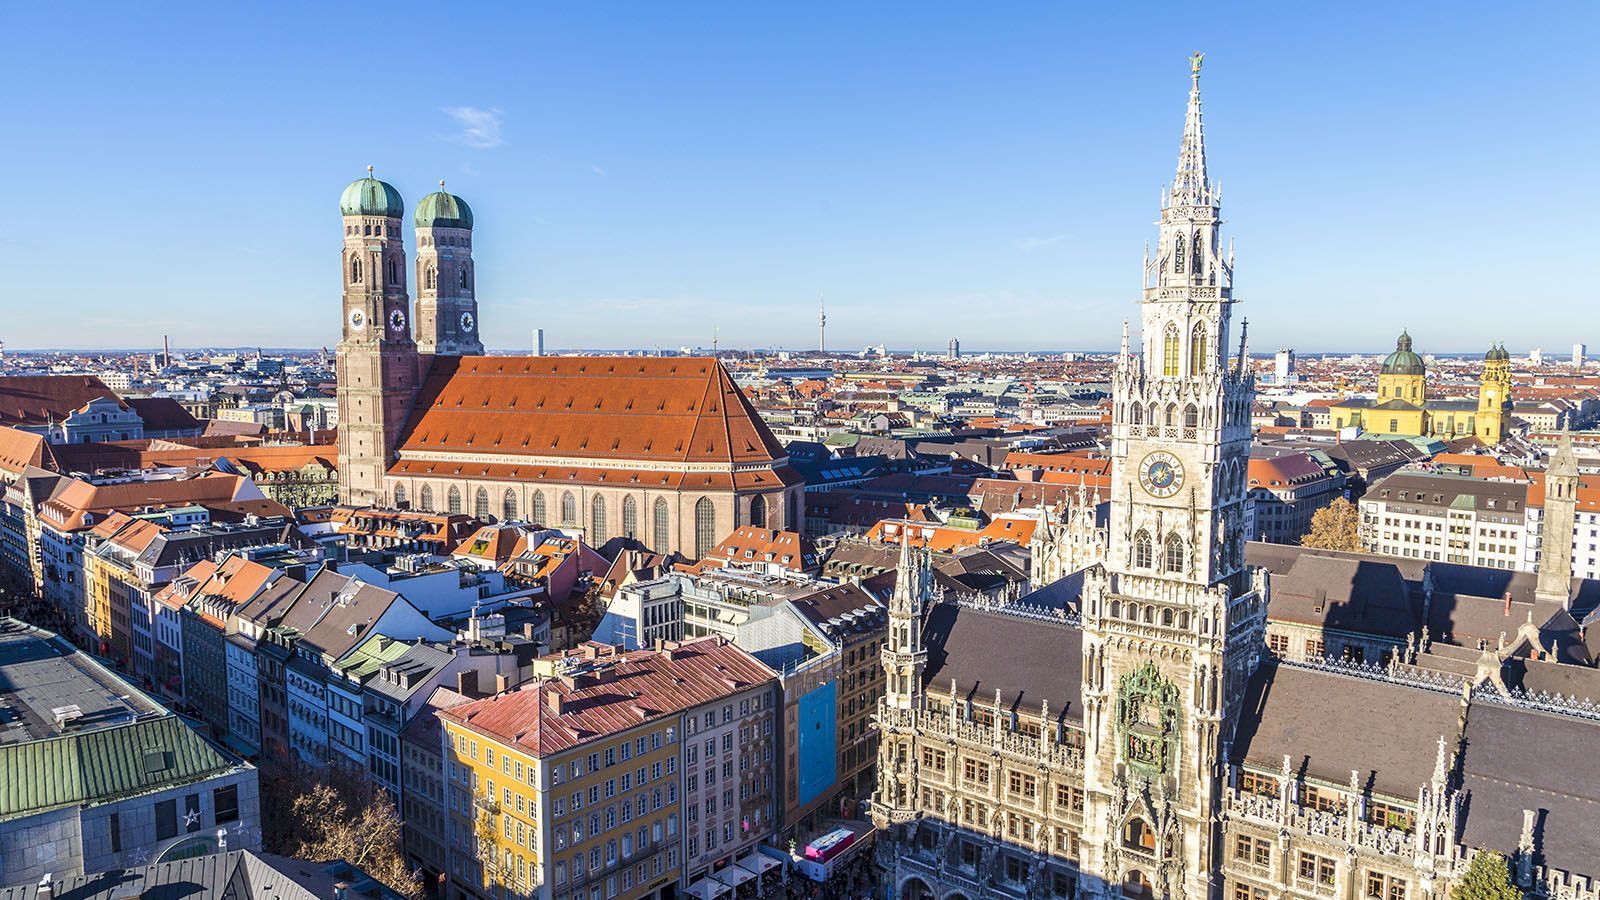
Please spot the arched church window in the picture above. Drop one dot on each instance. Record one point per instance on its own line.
(630, 517)
(1166, 617)
(538, 512)
(425, 499)
(1174, 553)
(355, 270)
(597, 521)
(480, 505)
(660, 531)
(1191, 416)
(430, 278)
(1143, 550)
(1136, 414)
(758, 511)
(705, 527)
(466, 278)
(569, 509)
(1199, 261)
(454, 501)
(508, 505)
(1178, 255)
(1169, 350)
(1116, 609)
(1149, 615)
(1198, 345)
(1172, 414)
(399, 496)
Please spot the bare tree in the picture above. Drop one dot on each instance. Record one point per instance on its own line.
(324, 815)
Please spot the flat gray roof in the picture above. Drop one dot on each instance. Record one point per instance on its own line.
(42, 678)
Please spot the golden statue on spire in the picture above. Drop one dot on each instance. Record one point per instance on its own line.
(1195, 60)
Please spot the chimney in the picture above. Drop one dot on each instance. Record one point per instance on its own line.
(502, 683)
(555, 701)
(46, 890)
(467, 682)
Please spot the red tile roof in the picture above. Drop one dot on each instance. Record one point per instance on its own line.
(33, 400)
(669, 410)
(20, 449)
(753, 544)
(622, 693)
(78, 503)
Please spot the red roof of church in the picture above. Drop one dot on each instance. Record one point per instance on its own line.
(32, 400)
(670, 410)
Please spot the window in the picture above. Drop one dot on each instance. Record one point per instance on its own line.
(1022, 786)
(758, 511)
(1169, 351)
(225, 803)
(1278, 644)
(975, 773)
(166, 819)
(114, 823)
(1256, 851)
(569, 509)
(1069, 798)
(1174, 553)
(538, 511)
(425, 499)
(399, 496)
(355, 270)
(454, 501)
(933, 760)
(1178, 254)
(1136, 835)
(480, 505)
(630, 517)
(1389, 816)
(597, 521)
(1260, 785)
(1385, 887)
(705, 527)
(660, 531)
(1246, 892)
(1142, 550)
(1314, 869)
(1198, 345)
(508, 505)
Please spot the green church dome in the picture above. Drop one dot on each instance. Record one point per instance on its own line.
(1403, 361)
(442, 210)
(370, 197)
(1497, 352)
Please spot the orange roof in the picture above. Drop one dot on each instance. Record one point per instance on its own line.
(619, 692)
(409, 525)
(753, 544)
(1077, 462)
(42, 399)
(79, 502)
(944, 538)
(669, 410)
(236, 581)
(493, 543)
(20, 449)
(1285, 470)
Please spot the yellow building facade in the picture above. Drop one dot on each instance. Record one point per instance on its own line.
(1403, 407)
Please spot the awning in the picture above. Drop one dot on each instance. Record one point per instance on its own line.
(708, 889)
(733, 876)
(757, 863)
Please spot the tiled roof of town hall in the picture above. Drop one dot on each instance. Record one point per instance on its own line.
(670, 410)
(638, 687)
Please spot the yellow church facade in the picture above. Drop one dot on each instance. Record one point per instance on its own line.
(1402, 406)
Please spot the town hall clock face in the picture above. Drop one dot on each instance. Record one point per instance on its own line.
(1161, 474)
(397, 320)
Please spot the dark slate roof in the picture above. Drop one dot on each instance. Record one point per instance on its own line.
(1029, 660)
(1519, 759)
(1345, 592)
(1329, 723)
(238, 875)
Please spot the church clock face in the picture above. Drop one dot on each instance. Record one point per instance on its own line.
(1161, 474)
(358, 320)
(467, 322)
(397, 320)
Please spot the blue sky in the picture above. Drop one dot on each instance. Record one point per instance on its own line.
(642, 173)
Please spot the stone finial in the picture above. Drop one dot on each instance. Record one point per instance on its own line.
(1439, 763)
(369, 171)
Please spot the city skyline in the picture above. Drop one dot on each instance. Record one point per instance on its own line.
(936, 177)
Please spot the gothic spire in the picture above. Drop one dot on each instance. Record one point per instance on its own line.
(1191, 186)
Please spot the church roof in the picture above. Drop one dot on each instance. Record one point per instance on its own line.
(1403, 361)
(672, 411)
(34, 400)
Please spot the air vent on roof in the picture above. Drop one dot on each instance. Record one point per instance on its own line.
(157, 761)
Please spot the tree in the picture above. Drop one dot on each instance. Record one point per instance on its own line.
(322, 816)
(1487, 878)
(1336, 526)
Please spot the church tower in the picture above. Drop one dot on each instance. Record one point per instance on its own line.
(1494, 397)
(377, 363)
(905, 656)
(1172, 620)
(1560, 511)
(447, 311)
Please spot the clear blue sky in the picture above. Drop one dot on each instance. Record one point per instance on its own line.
(641, 172)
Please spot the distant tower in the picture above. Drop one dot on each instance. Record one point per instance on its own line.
(377, 365)
(1283, 367)
(1560, 510)
(1494, 396)
(1579, 351)
(538, 342)
(822, 327)
(1536, 357)
(447, 312)
(953, 351)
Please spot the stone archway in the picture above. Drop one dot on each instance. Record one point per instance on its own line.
(915, 888)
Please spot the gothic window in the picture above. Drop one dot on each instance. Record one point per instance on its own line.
(454, 501)
(1169, 350)
(1143, 550)
(355, 270)
(1178, 255)
(1116, 609)
(394, 273)
(569, 509)
(1136, 414)
(597, 521)
(480, 505)
(660, 531)
(430, 278)
(1136, 835)
(1172, 414)
(399, 496)
(705, 527)
(1174, 553)
(1191, 416)
(758, 511)
(508, 505)
(1154, 418)
(538, 512)
(1199, 267)
(1197, 349)
(466, 278)
(630, 517)
(426, 498)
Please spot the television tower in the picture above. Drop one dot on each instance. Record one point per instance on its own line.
(822, 326)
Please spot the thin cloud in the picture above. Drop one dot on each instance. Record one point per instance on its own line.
(598, 171)
(1031, 244)
(480, 128)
